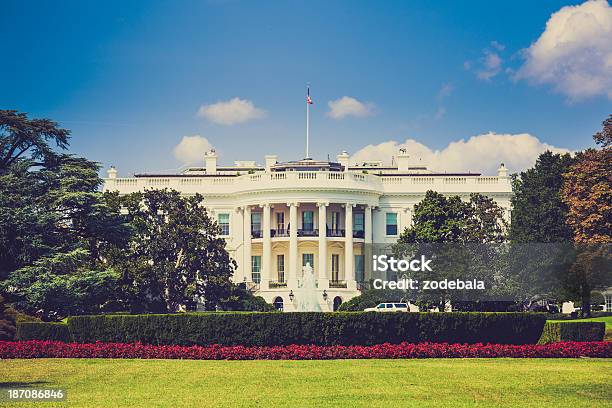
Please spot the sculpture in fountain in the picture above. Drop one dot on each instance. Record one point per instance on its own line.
(307, 299)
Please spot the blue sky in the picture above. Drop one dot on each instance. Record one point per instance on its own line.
(128, 78)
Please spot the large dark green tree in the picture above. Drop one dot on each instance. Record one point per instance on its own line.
(55, 224)
(175, 255)
(538, 212)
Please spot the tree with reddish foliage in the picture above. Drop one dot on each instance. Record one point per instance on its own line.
(587, 193)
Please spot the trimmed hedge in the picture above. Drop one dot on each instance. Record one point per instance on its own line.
(272, 329)
(572, 331)
(43, 331)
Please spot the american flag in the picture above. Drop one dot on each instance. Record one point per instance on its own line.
(308, 98)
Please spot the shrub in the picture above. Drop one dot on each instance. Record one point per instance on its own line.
(7, 322)
(371, 298)
(241, 299)
(53, 349)
(43, 330)
(572, 331)
(272, 329)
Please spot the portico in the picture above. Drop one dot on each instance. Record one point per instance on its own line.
(325, 234)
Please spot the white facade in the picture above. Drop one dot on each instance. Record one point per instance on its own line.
(338, 209)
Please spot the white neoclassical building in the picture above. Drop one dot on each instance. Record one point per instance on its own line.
(279, 217)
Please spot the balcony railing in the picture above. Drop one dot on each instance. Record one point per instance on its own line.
(335, 233)
(308, 232)
(358, 234)
(337, 284)
(279, 233)
(256, 234)
(277, 284)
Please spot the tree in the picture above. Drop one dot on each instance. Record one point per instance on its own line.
(538, 212)
(175, 255)
(458, 236)
(61, 285)
(55, 224)
(587, 192)
(604, 137)
(21, 137)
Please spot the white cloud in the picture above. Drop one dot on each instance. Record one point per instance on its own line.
(230, 112)
(574, 53)
(191, 149)
(491, 65)
(347, 106)
(482, 153)
(445, 91)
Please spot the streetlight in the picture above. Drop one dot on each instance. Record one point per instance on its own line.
(324, 295)
(291, 296)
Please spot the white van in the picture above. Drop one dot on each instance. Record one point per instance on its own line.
(389, 307)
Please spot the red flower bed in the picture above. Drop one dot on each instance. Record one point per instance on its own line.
(56, 349)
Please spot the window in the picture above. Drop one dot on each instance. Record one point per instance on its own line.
(391, 223)
(280, 221)
(280, 267)
(360, 268)
(358, 222)
(335, 220)
(337, 303)
(308, 259)
(256, 222)
(256, 268)
(278, 303)
(223, 220)
(608, 300)
(335, 267)
(307, 221)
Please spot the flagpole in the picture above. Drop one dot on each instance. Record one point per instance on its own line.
(307, 121)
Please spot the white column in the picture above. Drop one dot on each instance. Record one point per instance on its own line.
(368, 224)
(293, 245)
(349, 270)
(408, 219)
(246, 261)
(323, 276)
(266, 262)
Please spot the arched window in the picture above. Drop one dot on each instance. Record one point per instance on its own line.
(278, 303)
(337, 303)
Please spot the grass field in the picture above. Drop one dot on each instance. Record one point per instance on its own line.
(335, 383)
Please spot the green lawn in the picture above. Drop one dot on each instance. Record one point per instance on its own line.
(336, 383)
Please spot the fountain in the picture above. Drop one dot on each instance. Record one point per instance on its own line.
(307, 299)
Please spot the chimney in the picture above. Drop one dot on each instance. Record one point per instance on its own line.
(112, 172)
(271, 160)
(211, 161)
(502, 171)
(343, 159)
(402, 159)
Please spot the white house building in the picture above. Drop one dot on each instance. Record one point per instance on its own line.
(280, 217)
